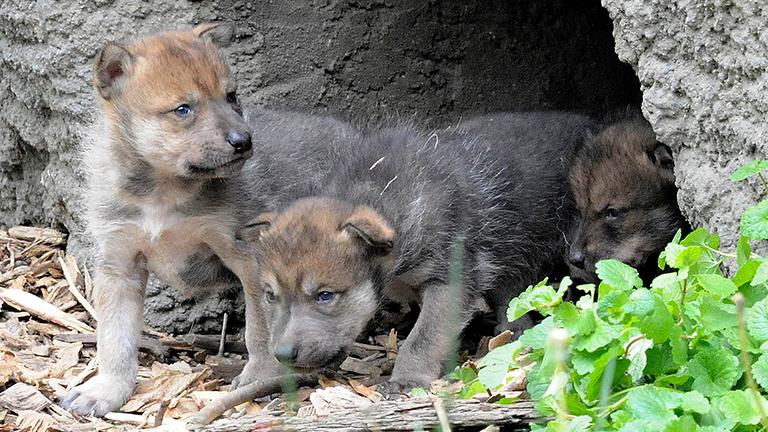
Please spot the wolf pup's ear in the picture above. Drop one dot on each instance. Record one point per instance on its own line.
(219, 34)
(253, 229)
(111, 70)
(369, 228)
(661, 157)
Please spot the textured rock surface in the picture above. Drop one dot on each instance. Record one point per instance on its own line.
(362, 60)
(704, 74)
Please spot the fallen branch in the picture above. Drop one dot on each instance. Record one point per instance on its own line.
(392, 416)
(154, 346)
(210, 343)
(248, 393)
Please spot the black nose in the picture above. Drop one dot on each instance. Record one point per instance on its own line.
(286, 353)
(576, 258)
(241, 141)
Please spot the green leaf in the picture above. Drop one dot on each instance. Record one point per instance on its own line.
(740, 406)
(695, 402)
(618, 275)
(757, 321)
(495, 365)
(716, 285)
(659, 324)
(701, 237)
(679, 348)
(650, 402)
(754, 222)
(611, 307)
(760, 371)
(604, 334)
(716, 315)
(749, 170)
(761, 274)
(683, 424)
(540, 297)
(714, 371)
(536, 337)
(575, 321)
(743, 251)
(746, 272)
(636, 354)
(584, 361)
(641, 303)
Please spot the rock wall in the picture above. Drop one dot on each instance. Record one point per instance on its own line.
(365, 60)
(703, 68)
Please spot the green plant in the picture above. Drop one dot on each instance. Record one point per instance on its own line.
(671, 356)
(754, 221)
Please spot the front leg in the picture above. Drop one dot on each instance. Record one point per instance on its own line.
(433, 340)
(261, 363)
(119, 301)
(239, 259)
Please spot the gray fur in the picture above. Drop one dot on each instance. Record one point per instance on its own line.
(205, 269)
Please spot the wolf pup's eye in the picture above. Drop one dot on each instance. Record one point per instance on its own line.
(324, 297)
(183, 110)
(271, 297)
(231, 97)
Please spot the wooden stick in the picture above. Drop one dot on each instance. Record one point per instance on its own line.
(248, 393)
(33, 304)
(223, 336)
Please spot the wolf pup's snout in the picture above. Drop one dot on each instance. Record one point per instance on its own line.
(240, 141)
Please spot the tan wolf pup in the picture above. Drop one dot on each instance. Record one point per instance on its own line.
(161, 159)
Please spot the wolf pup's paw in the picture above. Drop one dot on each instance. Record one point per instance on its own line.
(254, 371)
(98, 396)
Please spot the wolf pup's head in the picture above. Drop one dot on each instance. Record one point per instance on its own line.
(320, 262)
(624, 186)
(171, 104)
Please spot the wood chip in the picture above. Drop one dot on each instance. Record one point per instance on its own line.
(358, 366)
(502, 339)
(69, 267)
(392, 345)
(365, 391)
(332, 399)
(32, 421)
(21, 397)
(43, 235)
(40, 308)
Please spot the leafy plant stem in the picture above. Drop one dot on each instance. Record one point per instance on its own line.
(611, 408)
(738, 299)
(762, 179)
(683, 291)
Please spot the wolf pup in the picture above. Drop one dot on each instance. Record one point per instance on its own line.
(410, 217)
(624, 186)
(169, 136)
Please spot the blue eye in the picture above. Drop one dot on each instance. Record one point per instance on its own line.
(325, 296)
(183, 110)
